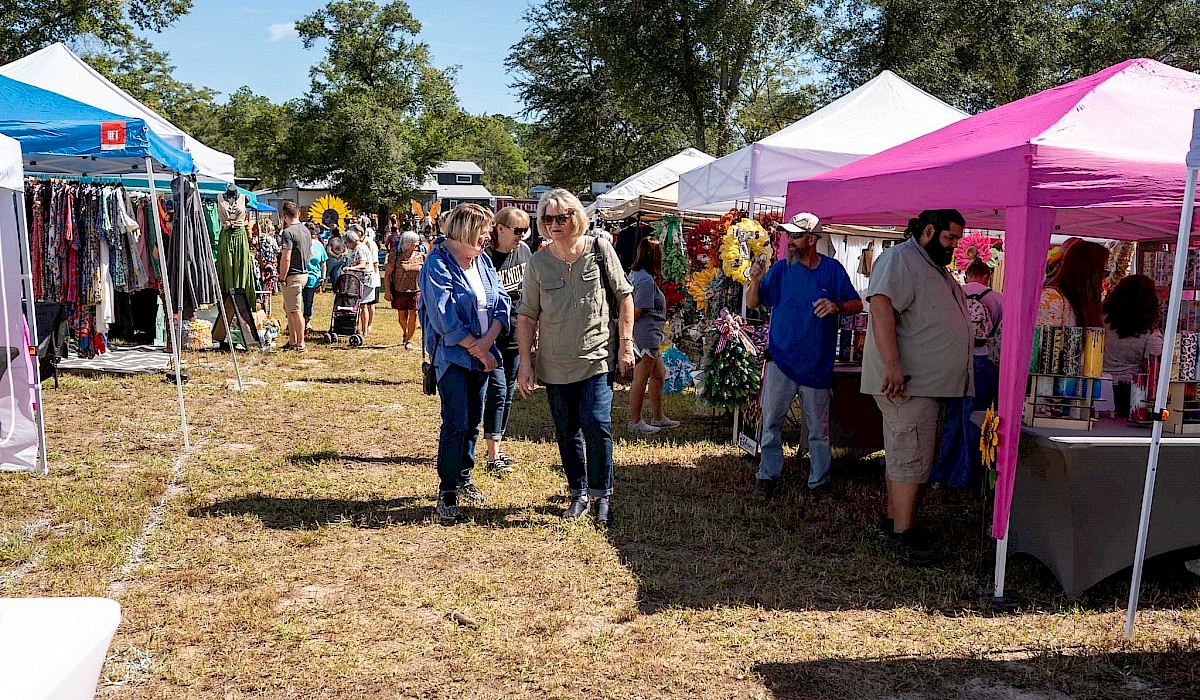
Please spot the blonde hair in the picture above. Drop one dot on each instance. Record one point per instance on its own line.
(467, 223)
(511, 217)
(565, 202)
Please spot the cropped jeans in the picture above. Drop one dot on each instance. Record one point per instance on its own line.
(502, 383)
(777, 394)
(582, 413)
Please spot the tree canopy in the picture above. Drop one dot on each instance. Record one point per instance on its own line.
(28, 25)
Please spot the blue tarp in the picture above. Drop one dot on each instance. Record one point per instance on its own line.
(61, 135)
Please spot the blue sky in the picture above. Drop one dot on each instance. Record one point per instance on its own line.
(225, 44)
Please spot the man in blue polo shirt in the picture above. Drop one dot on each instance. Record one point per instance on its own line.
(805, 292)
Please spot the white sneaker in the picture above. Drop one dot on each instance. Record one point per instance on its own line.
(665, 423)
(641, 428)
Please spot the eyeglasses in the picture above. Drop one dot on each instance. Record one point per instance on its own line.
(560, 219)
(520, 231)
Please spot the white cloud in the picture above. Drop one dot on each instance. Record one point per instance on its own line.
(281, 31)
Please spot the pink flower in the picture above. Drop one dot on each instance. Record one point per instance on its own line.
(972, 247)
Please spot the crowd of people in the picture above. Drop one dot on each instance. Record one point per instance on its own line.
(497, 317)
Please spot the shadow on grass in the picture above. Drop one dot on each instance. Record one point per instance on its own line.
(310, 458)
(1047, 676)
(694, 538)
(314, 513)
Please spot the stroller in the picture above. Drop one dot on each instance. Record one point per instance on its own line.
(347, 300)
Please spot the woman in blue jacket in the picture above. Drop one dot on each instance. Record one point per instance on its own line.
(463, 309)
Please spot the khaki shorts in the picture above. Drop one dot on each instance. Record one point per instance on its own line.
(293, 288)
(910, 436)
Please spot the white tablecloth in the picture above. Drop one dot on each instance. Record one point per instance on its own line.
(53, 648)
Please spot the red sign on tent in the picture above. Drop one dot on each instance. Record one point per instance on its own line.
(112, 136)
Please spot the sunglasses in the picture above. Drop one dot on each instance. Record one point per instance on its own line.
(520, 231)
(801, 234)
(560, 219)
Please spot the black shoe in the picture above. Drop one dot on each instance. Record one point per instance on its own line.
(497, 468)
(508, 461)
(471, 494)
(578, 508)
(885, 528)
(448, 511)
(819, 493)
(912, 550)
(765, 489)
(604, 513)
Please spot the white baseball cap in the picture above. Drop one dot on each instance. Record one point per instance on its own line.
(803, 222)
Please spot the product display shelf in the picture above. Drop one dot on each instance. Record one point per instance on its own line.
(1048, 405)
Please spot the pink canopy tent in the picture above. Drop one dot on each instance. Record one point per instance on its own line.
(1098, 156)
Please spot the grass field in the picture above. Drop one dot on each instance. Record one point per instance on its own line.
(294, 554)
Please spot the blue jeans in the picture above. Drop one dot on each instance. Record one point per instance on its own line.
(498, 403)
(308, 293)
(777, 394)
(987, 382)
(958, 445)
(461, 391)
(582, 413)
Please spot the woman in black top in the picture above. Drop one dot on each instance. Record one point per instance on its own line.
(509, 255)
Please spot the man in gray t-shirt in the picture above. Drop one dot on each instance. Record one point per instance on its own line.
(918, 350)
(295, 249)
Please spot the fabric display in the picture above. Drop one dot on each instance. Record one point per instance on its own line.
(1189, 345)
(1067, 351)
(1093, 352)
(88, 242)
(266, 254)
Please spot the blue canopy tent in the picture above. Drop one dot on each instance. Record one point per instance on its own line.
(59, 135)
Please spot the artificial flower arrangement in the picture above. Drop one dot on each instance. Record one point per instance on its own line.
(703, 286)
(989, 440)
(703, 244)
(731, 379)
(976, 246)
(675, 262)
(735, 261)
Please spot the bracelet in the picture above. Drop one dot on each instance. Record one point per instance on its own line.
(627, 337)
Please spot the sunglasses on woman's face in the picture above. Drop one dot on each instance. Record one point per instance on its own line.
(560, 219)
(520, 231)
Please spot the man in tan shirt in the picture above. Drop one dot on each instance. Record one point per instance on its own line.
(918, 350)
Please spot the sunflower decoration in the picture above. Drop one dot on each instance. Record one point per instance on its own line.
(329, 210)
(972, 247)
(699, 283)
(989, 440)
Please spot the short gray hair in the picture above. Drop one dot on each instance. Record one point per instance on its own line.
(409, 239)
(350, 236)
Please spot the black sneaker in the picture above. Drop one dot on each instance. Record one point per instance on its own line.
(447, 507)
(508, 461)
(765, 489)
(604, 513)
(885, 528)
(912, 550)
(471, 494)
(497, 468)
(578, 508)
(819, 493)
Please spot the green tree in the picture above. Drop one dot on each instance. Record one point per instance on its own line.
(375, 119)
(489, 143)
(618, 84)
(147, 74)
(1110, 31)
(257, 133)
(28, 25)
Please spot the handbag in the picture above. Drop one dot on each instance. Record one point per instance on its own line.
(429, 372)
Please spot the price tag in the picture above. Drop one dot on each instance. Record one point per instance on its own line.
(112, 136)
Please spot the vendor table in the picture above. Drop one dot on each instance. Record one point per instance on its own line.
(1079, 493)
(855, 420)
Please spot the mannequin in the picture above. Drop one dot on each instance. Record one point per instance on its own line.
(235, 262)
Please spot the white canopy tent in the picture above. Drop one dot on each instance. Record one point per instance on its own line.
(652, 179)
(57, 69)
(22, 426)
(884, 112)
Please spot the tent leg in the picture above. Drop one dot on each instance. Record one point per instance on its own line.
(737, 413)
(31, 319)
(237, 372)
(173, 326)
(1001, 567)
(1164, 375)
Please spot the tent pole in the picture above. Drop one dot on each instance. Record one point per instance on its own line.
(737, 413)
(1001, 565)
(1174, 301)
(31, 319)
(173, 329)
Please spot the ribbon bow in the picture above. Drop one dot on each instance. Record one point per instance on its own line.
(733, 327)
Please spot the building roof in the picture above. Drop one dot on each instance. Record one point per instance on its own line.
(459, 191)
(458, 167)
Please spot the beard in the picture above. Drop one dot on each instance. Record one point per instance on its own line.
(938, 253)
